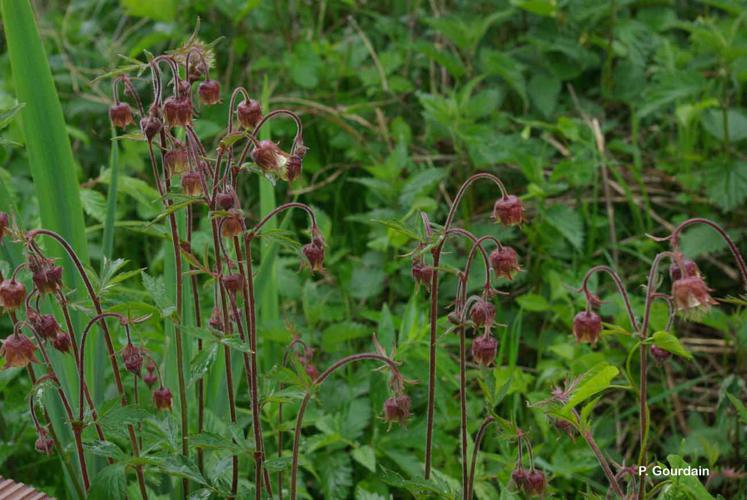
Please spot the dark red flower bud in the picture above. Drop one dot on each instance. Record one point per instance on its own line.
(520, 477)
(150, 379)
(587, 326)
(482, 313)
(225, 201)
(659, 354)
(565, 427)
(269, 157)
(397, 409)
(484, 350)
(120, 114)
(231, 225)
(233, 283)
(44, 444)
(12, 293)
(315, 255)
(132, 358)
(45, 325)
(292, 168)
(209, 91)
(18, 351)
(504, 262)
(249, 113)
(47, 277)
(422, 274)
(62, 342)
(216, 320)
(690, 269)
(178, 110)
(311, 371)
(508, 210)
(691, 294)
(177, 159)
(150, 126)
(162, 398)
(4, 223)
(536, 482)
(192, 183)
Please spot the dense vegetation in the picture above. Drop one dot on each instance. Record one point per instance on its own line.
(611, 121)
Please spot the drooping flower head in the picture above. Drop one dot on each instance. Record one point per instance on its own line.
(659, 354)
(508, 210)
(249, 113)
(18, 351)
(12, 294)
(132, 358)
(162, 398)
(269, 157)
(209, 91)
(44, 444)
(482, 312)
(120, 114)
(691, 295)
(587, 326)
(397, 409)
(484, 349)
(504, 262)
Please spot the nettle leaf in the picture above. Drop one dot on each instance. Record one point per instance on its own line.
(739, 405)
(180, 466)
(199, 365)
(94, 204)
(157, 291)
(357, 417)
(726, 184)
(106, 449)
(533, 302)
(278, 464)
(110, 483)
(422, 183)
(568, 223)
(670, 343)
(366, 456)
(713, 123)
(337, 475)
(594, 381)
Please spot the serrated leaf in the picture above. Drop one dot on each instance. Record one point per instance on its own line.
(568, 223)
(110, 483)
(106, 449)
(157, 291)
(594, 381)
(726, 184)
(366, 456)
(533, 302)
(199, 365)
(670, 343)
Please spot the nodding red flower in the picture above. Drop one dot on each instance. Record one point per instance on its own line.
(397, 409)
(482, 312)
(162, 398)
(233, 283)
(209, 91)
(176, 159)
(231, 225)
(422, 273)
(676, 269)
(315, 255)
(520, 477)
(120, 114)
(12, 293)
(504, 262)
(196, 70)
(47, 277)
(62, 342)
(484, 350)
(659, 354)
(178, 110)
(508, 210)
(292, 168)
(192, 183)
(150, 378)
(225, 201)
(587, 326)
(216, 319)
(536, 482)
(565, 427)
(18, 351)
(43, 324)
(133, 359)
(4, 222)
(249, 113)
(269, 157)
(311, 371)
(151, 125)
(44, 444)
(691, 294)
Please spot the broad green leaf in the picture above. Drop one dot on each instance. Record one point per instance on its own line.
(335, 334)
(726, 184)
(593, 382)
(539, 7)
(670, 343)
(533, 302)
(739, 405)
(157, 291)
(568, 223)
(158, 10)
(110, 483)
(365, 456)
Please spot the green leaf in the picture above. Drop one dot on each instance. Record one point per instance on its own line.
(157, 291)
(7, 115)
(335, 334)
(158, 10)
(366, 456)
(110, 483)
(180, 466)
(593, 382)
(540, 7)
(568, 223)
(533, 302)
(670, 343)
(544, 90)
(726, 184)
(741, 410)
(106, 449)
(685, 487)
(337, 475)
(199, 365)
(713, 123)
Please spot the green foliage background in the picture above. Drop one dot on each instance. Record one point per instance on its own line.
(401, 101)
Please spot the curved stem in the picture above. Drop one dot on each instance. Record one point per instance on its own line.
(478, 440)
(675, 239)
(281, 208)
(463, 189)
(463, 407)
(319, 380)
(620, 288)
